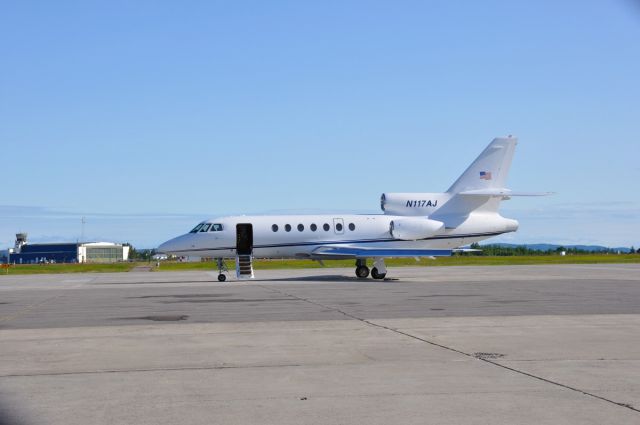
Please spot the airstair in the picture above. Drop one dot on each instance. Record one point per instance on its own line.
(244, 251)
(244, 267)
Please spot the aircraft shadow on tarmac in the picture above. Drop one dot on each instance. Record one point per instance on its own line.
(322, 278)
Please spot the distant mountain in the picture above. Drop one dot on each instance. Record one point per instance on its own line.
(548, 246)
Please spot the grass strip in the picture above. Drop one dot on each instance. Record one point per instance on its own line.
(273, 264)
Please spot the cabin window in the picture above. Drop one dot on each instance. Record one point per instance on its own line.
(274, 227)
(287, 227)
(326, 227)
(352, 227)
(339, 227)
(205, 228)
(313, 227)
(198, 227)
(216, 227)
(300, 227)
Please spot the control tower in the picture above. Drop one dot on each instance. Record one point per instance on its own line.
(21, 239)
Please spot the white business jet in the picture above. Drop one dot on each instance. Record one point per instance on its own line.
(412, 225)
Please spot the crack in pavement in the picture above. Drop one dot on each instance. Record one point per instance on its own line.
(445, 347)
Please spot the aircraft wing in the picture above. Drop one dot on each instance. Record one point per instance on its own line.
(329, 251)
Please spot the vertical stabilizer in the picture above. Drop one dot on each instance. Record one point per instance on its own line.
(490, 169)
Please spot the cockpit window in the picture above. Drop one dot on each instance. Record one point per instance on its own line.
(207, 227)
(198, 227)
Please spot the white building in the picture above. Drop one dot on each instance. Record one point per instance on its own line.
(78, 252)
(102, 252)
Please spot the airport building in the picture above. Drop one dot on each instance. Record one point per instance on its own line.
(78, 252)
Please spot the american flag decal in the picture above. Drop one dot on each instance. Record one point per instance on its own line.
(485, 175)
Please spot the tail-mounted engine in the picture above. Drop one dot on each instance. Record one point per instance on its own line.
(411, 229)
(416, 204)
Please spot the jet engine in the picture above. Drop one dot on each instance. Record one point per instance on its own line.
(416, 204)
(411, 229)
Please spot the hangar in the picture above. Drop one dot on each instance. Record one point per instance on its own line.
(73, 252)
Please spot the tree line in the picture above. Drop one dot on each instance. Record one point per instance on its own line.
(140, 254)
(498, 250)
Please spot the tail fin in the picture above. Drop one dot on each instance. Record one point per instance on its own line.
(490, 169)
(481, 188)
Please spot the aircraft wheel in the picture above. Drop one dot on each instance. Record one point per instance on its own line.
(221, 277)
(376, 275)
(362, 271)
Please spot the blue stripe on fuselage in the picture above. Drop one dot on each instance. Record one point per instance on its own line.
(343, 242)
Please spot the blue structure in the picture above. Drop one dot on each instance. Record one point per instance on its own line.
(41, 253)
(69, 252)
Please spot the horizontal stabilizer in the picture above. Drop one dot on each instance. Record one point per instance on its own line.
(351, 252)
(501, 192)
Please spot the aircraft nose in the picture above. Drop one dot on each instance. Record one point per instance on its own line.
(173, 245)
(165, 247)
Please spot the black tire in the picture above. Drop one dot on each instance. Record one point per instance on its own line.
(376, 275)
(221, 277)
(362, 272)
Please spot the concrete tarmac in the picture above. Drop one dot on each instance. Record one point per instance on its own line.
(440, 345)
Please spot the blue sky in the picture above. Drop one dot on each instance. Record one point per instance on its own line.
(146, 117)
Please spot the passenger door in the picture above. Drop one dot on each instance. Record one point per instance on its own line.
(338, 226)
(244, 238)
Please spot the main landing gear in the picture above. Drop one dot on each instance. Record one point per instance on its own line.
(362, 271)
(379, 270)
(222, 267)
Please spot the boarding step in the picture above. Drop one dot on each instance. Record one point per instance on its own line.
(244, 266)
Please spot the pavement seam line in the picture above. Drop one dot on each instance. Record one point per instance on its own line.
(30, 307)
(160, 369)
(521, 372)
(27, 309)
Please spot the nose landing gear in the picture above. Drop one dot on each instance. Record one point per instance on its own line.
(222, 267)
